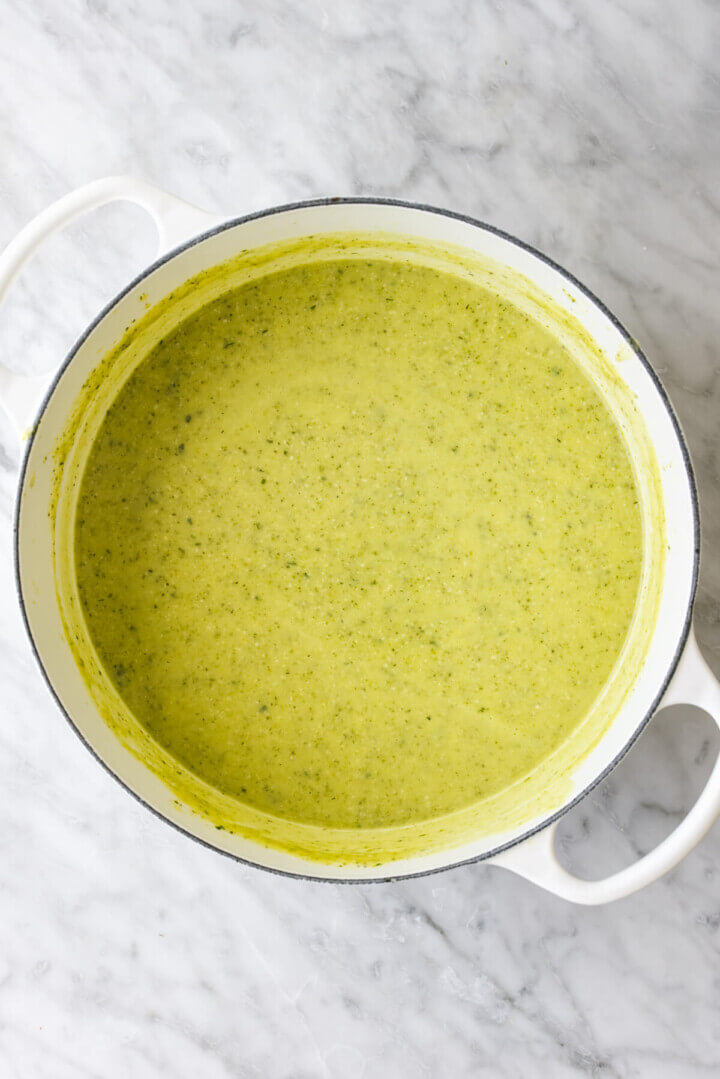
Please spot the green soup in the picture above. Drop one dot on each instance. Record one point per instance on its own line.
(358, 543)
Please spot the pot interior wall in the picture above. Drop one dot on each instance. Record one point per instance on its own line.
(616, 368)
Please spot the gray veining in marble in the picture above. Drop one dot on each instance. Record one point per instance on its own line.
(589, 129)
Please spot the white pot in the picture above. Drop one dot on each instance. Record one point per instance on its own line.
(673, 670)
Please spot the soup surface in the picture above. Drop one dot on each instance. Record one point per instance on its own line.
(358, 543)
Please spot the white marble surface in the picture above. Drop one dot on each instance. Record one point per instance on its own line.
(591, 129)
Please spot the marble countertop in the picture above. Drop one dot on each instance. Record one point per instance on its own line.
(591, 130)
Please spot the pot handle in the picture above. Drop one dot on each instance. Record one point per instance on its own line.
(175, 220)
(535, 858)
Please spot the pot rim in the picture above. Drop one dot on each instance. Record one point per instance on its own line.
(629, 340)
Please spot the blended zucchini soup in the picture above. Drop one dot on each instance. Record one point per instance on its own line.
(358, 543)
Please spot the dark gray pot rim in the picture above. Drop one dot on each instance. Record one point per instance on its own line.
(288, 207)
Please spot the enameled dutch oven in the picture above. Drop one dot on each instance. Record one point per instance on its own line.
(191, 240)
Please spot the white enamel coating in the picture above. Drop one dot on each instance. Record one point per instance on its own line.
(535, 858)
(692, 682)
(174, 219)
